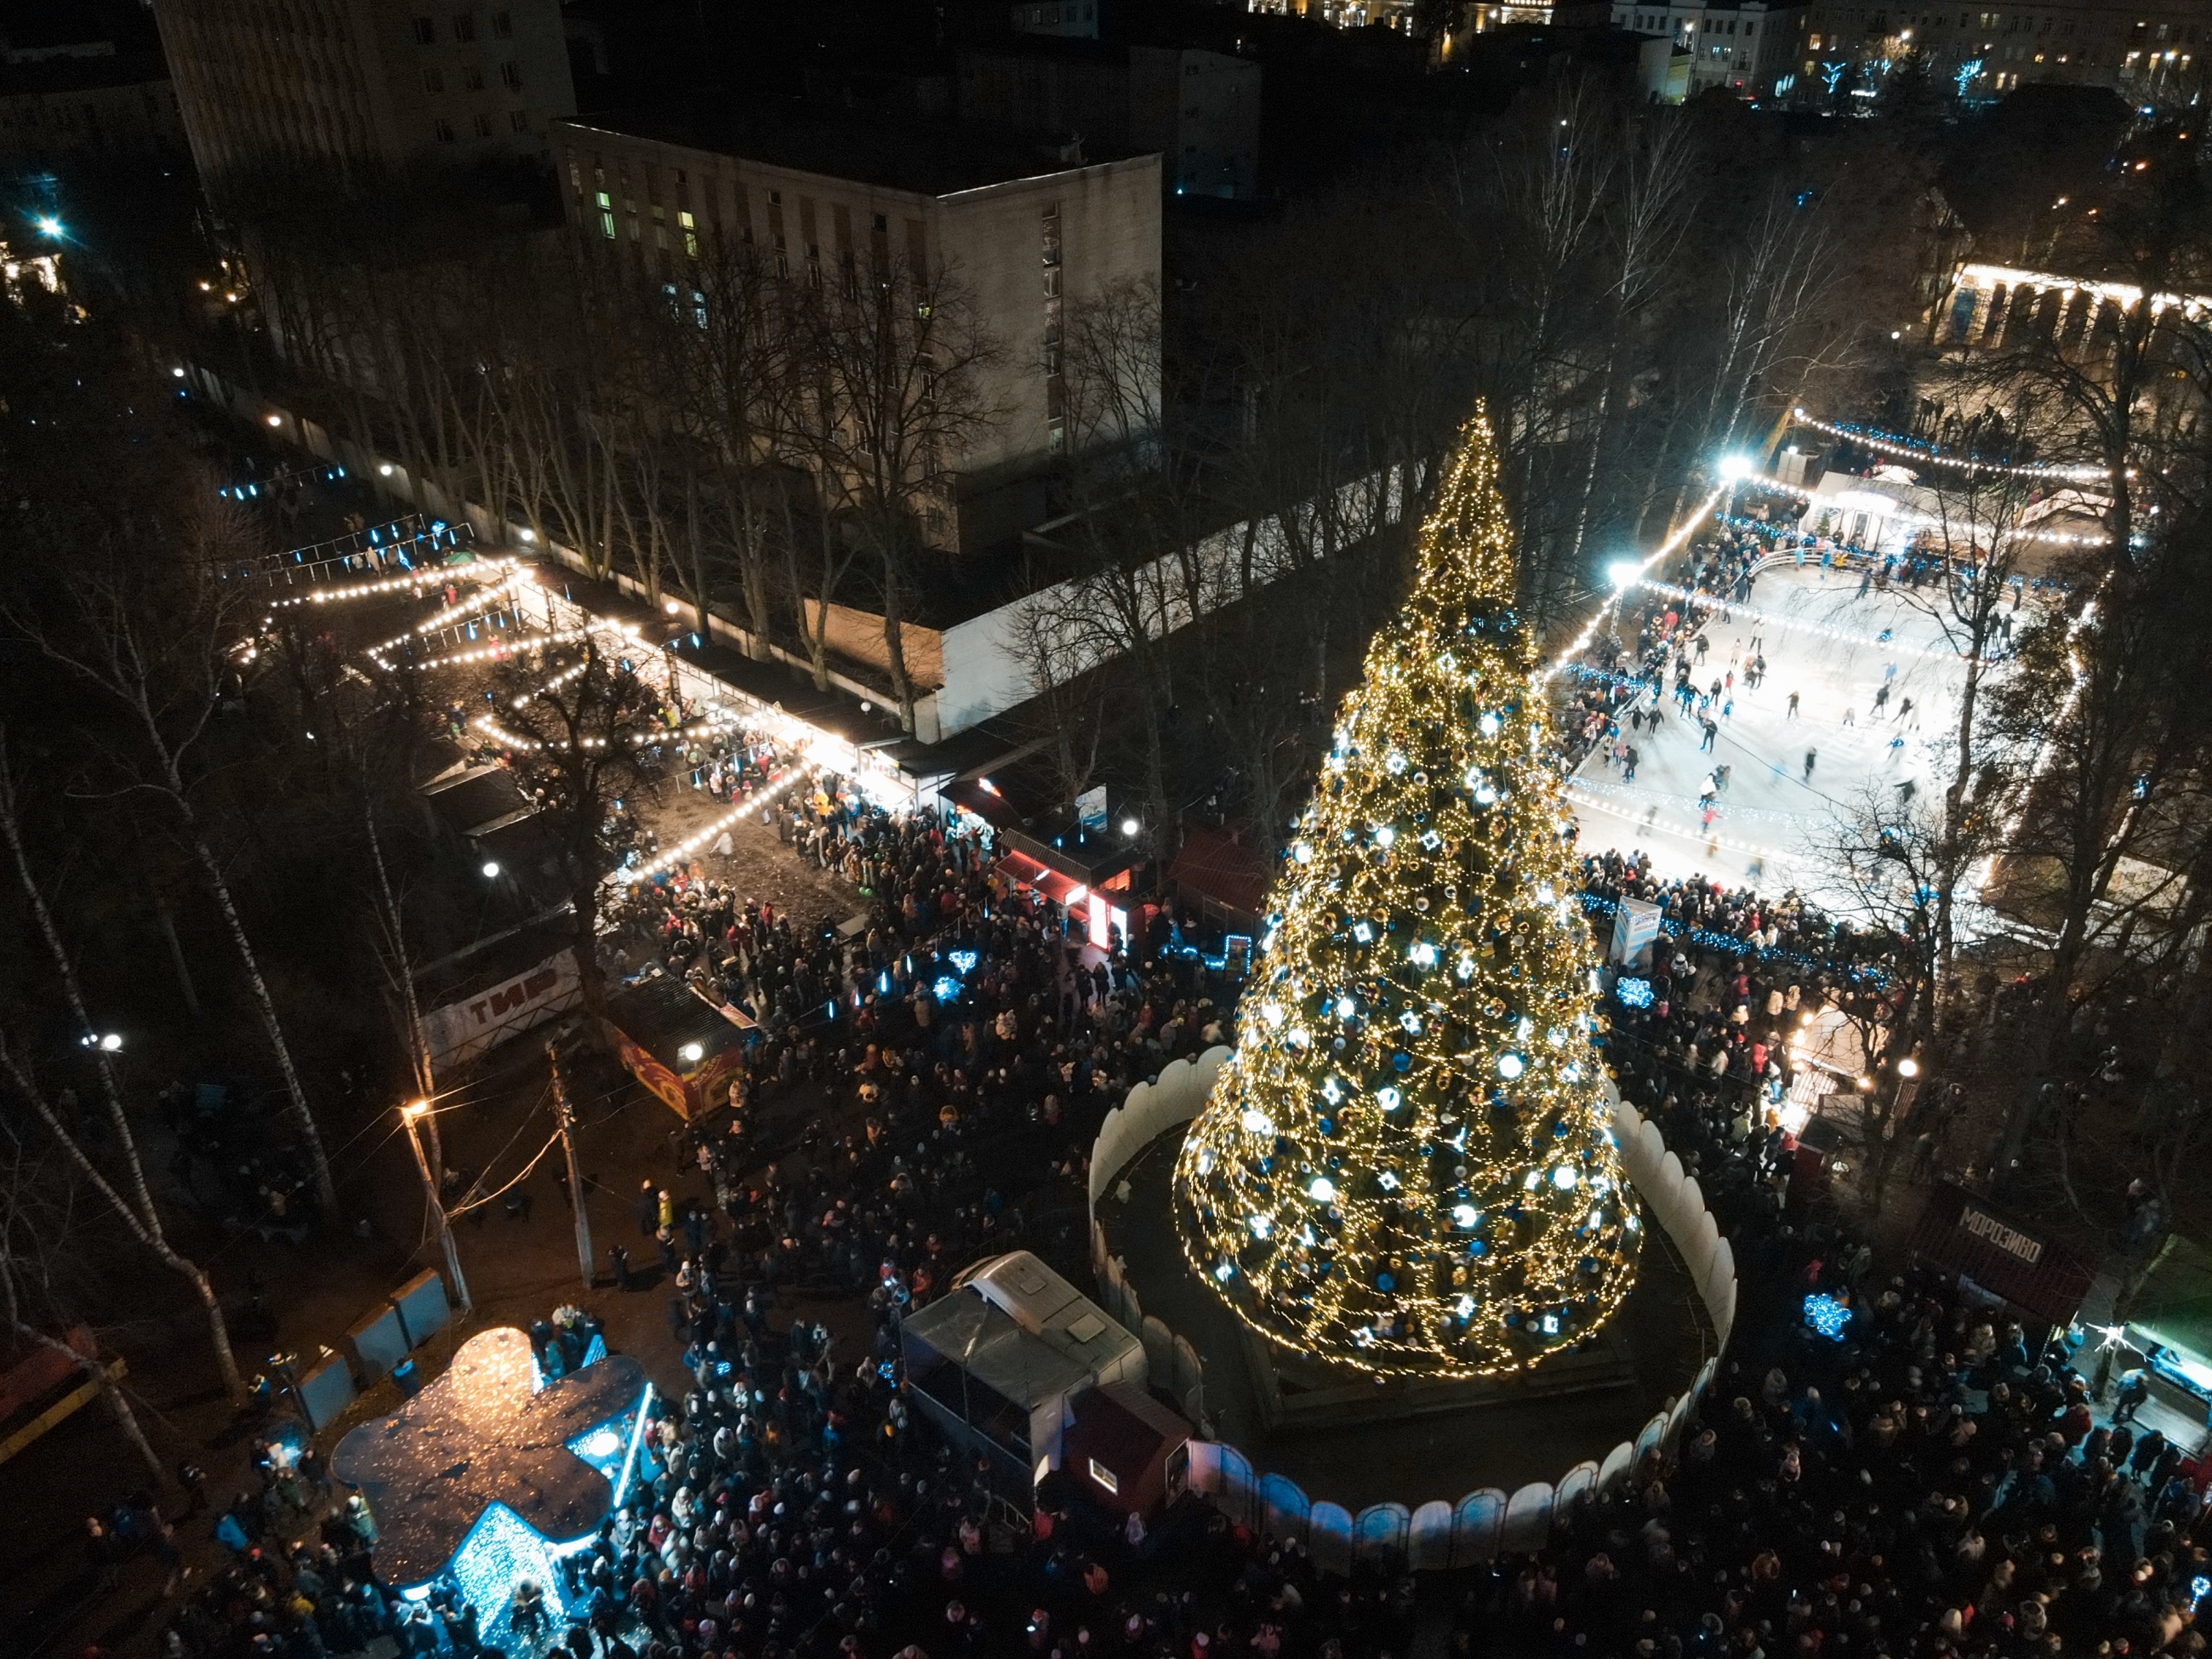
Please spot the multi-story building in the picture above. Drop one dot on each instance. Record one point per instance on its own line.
(1025, 236)
(2148, 53)
(79, 87)
(1200, 110)
(1748, 47)
(1069, 20)
(340, 85)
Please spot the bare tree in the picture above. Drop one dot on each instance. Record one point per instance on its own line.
(576, 723)
(149, 629)
(38, 1232)
(904, 359)
(127, 1195)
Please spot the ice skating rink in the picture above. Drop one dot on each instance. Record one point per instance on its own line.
(1777, 826)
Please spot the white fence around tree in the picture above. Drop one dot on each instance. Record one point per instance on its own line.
(1436, 1535)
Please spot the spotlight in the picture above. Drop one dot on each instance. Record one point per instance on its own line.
(692, 1054)
(1130, 826)
(49, 226)
(491, 869)
(1908, 1066)
(1623, 573)
(1734, 467)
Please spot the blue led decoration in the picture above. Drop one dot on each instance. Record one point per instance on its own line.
(1827, 1315)
(946, 987)
(964, 960)
(500, 1551)
(1633, 992)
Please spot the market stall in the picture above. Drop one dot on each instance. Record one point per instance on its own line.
(683, 1048)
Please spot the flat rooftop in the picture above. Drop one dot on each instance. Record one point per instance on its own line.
(922, 158)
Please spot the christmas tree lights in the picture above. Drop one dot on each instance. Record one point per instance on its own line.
(1408, 1167)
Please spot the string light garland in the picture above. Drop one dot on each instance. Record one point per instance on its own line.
(1408, 1167)
(1927, 454)
(1631, 574)
(691, 843)
(1771, 619)
(419, 582)
(1713, 839)
(1898, 512)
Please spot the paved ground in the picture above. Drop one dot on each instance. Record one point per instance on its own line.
(1777, 827)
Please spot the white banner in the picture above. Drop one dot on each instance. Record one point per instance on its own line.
(1635, 925)
(461, 1031)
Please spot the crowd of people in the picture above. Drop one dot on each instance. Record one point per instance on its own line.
(925, 1092)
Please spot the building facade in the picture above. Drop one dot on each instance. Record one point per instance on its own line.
(1747, 48)
(64, 100)
(1200, 110)
(2148, 54)
(361, 84)
(1066, 20)
(1024, 237)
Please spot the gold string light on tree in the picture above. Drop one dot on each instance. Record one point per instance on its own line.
(1408, 1168)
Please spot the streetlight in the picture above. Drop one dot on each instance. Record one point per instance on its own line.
(1623, 573)
(1734, 467)
(491, 870)
(50, 227)
(1129, 827)
(1908, 1066)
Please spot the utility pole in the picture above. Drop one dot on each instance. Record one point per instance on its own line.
(429, 1119)
(566, 1116)
(412, 1115)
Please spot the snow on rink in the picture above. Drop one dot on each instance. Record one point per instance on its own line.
(1776, 827)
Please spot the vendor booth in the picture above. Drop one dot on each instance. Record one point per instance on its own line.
(2001, 1256)
(1128, 1452)
(677, 1044)
(1002, 1362)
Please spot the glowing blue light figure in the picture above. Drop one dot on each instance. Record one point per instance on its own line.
(1633, 992)
(1967, 74)
(1832, 75)
(1827, 1315)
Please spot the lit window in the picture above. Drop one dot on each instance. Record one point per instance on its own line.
(690, 237)
(1104, 1476)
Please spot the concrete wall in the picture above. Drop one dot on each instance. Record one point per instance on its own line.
(988, 671)
(1437, 1536)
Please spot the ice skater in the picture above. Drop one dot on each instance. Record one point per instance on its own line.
(1792, 713)
(1811, 755)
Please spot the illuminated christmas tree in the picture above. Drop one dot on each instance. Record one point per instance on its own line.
(1408, 1168)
